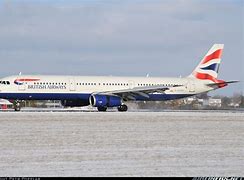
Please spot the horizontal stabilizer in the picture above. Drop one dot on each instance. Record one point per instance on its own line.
(222, 83)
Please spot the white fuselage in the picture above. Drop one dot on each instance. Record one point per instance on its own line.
(81, 87)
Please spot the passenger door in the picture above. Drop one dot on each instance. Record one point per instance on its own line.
(191, 86)
(22, 86)
(131, 84)
(72, 85)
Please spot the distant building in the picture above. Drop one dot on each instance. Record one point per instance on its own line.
(53, 104)
(190, 100)
(48, 104)
(212, 102)
(234, 105)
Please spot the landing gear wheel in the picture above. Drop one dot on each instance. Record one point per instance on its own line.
(17, 109)
(122, 108)
(17, 106)
(102, 109)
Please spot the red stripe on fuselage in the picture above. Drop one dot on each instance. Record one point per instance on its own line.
(215, 55)
(27, 80)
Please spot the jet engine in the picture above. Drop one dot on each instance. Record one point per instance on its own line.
(97, 100)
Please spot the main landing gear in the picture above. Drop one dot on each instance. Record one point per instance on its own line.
(122, 108)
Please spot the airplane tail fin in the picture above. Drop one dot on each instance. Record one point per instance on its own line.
(209, 66)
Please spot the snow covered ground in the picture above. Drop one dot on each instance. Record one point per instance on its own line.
(122, 144)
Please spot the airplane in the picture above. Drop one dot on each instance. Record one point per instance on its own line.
(108, 92)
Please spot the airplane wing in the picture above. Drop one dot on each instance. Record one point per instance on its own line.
(130, 94)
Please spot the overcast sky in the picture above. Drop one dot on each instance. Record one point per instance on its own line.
(120, 37)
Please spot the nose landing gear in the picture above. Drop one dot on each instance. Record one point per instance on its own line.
(17, 106)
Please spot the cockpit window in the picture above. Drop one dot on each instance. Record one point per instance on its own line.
(5, 82)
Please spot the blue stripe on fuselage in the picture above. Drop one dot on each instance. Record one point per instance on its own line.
(85, 97)
(44, 96)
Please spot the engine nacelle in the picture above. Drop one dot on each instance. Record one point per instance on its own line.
(74, 103)
(97, 100)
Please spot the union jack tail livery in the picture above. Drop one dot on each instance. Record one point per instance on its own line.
(209, 66)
